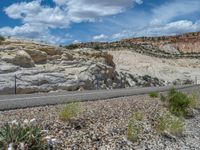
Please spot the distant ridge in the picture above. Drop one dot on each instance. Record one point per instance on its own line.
(184, 45)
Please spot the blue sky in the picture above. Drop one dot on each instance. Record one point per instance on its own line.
(72, 21)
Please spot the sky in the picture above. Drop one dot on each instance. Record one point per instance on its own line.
(64, 22)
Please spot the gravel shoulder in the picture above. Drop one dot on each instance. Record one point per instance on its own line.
(103, 125)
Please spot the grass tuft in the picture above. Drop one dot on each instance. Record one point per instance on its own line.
(171, 124)
(138, 116)
(70, 111)
(134, 126)
(153, 95)
(133, 131)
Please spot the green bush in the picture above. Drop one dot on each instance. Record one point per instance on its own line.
(2, 38)
(20, 136)
(169, 124)
(178, 103)
(72, 46)
(153, 94)
(70, 111)
(97, 47)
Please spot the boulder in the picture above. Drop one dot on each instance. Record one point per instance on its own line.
(20, 58)
(50, 50)
(67, 56)
(37, 55)
(23, 59)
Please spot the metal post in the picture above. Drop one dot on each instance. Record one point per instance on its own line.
(15, 84)
(196, 80)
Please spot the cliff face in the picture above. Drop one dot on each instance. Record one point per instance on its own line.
(45, 68)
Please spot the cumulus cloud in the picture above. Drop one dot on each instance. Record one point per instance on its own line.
(170, 10)
(35, 32)
(66, 11)
(76, 42)
(172, 28)
(100, 37)
(34, 13)
(40, 19)
(89, 10)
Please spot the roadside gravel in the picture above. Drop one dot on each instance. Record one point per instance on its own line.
(103, 125)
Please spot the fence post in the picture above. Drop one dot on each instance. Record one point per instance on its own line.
(15, 84)
(196, 80)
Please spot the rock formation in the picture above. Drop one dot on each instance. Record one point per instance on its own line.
(44, 68)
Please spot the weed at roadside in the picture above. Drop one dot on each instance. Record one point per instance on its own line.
(70, 111)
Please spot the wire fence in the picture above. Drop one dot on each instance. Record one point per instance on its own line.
(16, 79)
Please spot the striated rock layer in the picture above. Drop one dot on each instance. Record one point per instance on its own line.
(44, 68)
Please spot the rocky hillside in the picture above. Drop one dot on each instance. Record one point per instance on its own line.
(44, 68)
(181, 46)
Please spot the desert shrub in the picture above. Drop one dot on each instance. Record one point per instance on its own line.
(179, 102)
(194, 100)
(18, 136)
(133, 131)
(70, 111)
(153, 94)
(171, 124)
(138, 116)
(2, 38)
(72, 46)
(134, 126)
(97, 47)
(163, 98)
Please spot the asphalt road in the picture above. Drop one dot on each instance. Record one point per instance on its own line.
(41, 99)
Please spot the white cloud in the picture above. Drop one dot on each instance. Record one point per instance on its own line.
(89, 10)
(121, 35)
(34, 13)
(170, 10)
(39, 19)
(35, 32)
(100, 37)
(66, 11)
(172, 28)
(76, 42)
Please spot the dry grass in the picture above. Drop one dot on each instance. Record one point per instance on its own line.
(70, 111)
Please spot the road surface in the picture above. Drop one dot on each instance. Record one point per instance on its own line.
(41, 99)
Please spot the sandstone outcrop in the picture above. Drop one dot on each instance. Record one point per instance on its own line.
(37, 55)
(44, 68)
(20, 57)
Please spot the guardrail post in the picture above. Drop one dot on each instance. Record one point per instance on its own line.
(15, 84)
